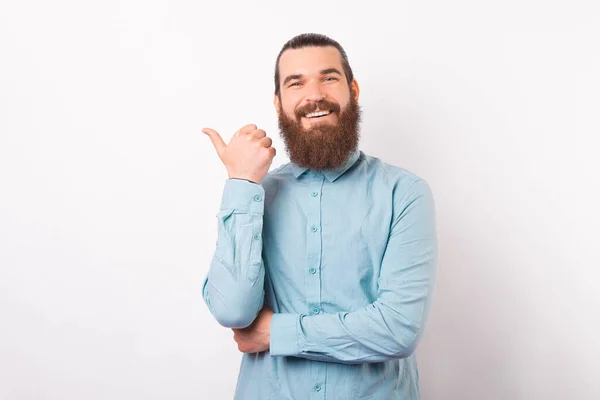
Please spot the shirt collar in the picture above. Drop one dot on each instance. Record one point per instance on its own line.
(333, 174)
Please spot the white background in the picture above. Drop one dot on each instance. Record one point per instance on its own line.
(109, 190)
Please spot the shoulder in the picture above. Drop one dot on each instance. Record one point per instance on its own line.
(281, 173)
(399, 180)
(411, 196)
(276, 178)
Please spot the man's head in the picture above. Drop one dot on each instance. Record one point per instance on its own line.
(316, 98)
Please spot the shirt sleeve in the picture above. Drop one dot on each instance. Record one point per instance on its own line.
(233, 289)
(391, 326)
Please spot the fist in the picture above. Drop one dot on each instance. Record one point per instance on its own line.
(248, 155)
(256, 337)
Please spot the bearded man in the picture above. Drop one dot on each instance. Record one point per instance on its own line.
(324, 267)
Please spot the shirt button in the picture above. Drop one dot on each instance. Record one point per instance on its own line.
(317, 387)
(314, 193)
(315, 310)
(312, 270)
(257, 198)
(257, 237)
(313, 228)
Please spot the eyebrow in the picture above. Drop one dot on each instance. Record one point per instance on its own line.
(291, 78)
(323, 72)
(331, 71)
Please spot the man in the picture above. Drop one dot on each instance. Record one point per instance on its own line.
(324, 267)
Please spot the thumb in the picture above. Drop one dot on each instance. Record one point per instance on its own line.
(216, 139)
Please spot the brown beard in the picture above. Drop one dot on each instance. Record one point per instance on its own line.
(324, 146)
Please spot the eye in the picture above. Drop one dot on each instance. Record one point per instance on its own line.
(294, 84)
(331, 79)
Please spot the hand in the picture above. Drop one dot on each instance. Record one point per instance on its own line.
(256, 337)
(248, 155)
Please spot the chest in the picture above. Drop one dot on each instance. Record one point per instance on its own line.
(327, 237)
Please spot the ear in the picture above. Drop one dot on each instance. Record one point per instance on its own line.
(354, 90)
(277, 104)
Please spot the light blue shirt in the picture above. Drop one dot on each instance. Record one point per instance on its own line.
(346, 259)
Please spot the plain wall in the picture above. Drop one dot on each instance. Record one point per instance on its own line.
(109, 191)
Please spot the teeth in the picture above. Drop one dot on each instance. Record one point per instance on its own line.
(317, 114)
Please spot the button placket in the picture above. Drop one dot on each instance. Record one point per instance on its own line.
(314, 199)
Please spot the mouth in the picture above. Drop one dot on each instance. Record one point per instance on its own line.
(318, 115)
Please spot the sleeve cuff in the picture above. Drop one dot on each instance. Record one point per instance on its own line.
(284, 335)
(241, 195)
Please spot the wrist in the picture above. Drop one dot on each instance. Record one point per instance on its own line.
(250, 179)
(243, 179)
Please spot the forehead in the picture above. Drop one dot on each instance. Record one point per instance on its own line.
(309, 60)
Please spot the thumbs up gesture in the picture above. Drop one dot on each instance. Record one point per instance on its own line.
(248, 155)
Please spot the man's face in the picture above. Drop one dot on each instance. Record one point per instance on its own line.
(318, 111)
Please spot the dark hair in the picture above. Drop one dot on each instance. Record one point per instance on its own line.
(313, 40)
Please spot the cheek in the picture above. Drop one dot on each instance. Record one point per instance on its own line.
(289, 106)
(342, 97)
(291, 98)
(289, 113)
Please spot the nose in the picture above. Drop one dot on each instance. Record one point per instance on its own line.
(315, 92)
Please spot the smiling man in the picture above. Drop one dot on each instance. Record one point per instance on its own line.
(324, 267)
(309, 103)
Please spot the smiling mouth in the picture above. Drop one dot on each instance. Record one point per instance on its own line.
(317, 114)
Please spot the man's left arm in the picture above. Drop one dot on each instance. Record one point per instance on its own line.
(391, 326)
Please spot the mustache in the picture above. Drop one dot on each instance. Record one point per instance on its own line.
(323, 105)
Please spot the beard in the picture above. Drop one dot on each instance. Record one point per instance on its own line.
(322, 146)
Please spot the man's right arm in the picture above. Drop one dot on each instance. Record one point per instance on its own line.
(233, 289)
